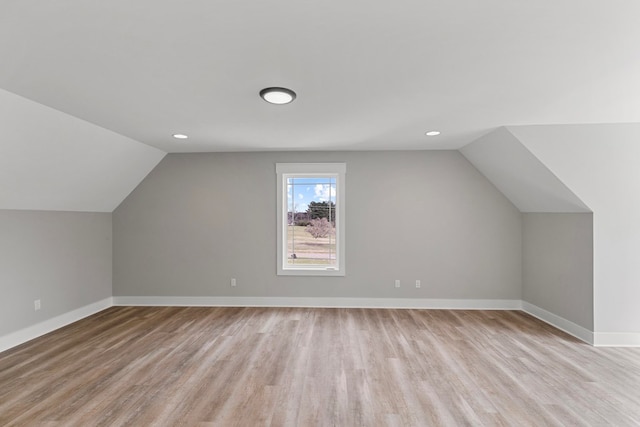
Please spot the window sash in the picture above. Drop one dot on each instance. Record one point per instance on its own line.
(330, 180)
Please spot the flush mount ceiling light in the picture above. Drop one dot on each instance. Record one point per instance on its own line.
(180, 136)
(433, 133)
(277, 95)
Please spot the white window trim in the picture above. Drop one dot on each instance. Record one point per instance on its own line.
(313, 169)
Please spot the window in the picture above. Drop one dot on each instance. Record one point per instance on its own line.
(310, 200)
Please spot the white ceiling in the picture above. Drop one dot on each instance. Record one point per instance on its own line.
(369, 74)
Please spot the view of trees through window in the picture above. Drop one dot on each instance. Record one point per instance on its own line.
(311, 220)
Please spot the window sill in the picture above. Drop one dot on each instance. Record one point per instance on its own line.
(310, 272)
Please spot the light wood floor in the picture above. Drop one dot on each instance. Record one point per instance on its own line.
(315, 367)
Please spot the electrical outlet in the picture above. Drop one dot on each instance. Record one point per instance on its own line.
(36, 305)
(397, 283)
(418, 284)
(233, 282)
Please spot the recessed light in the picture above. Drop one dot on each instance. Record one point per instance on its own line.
(180, 136)
(278, 95)
(433, 133)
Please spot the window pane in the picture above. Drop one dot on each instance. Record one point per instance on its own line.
(311, 220)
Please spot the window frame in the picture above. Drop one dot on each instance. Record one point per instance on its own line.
(287, 170)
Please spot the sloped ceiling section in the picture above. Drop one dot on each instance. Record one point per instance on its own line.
(600, 162)
(52, 161)
(519, 175)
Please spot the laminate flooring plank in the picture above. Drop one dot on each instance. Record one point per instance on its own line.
(240, 366)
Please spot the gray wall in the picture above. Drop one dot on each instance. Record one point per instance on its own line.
(199, 219)
(61, 258)
(557, 266)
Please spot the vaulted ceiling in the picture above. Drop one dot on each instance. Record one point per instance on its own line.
(369, 75)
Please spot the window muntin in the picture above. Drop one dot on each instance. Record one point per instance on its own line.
(310, 218)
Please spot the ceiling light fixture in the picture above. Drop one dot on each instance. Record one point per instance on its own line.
(180, 136)
(433, 133)
(277, 95)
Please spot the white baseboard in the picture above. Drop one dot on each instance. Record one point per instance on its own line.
(558, 322)
(610, 339)
(27, 334)
(616, 339)
(321, 302)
